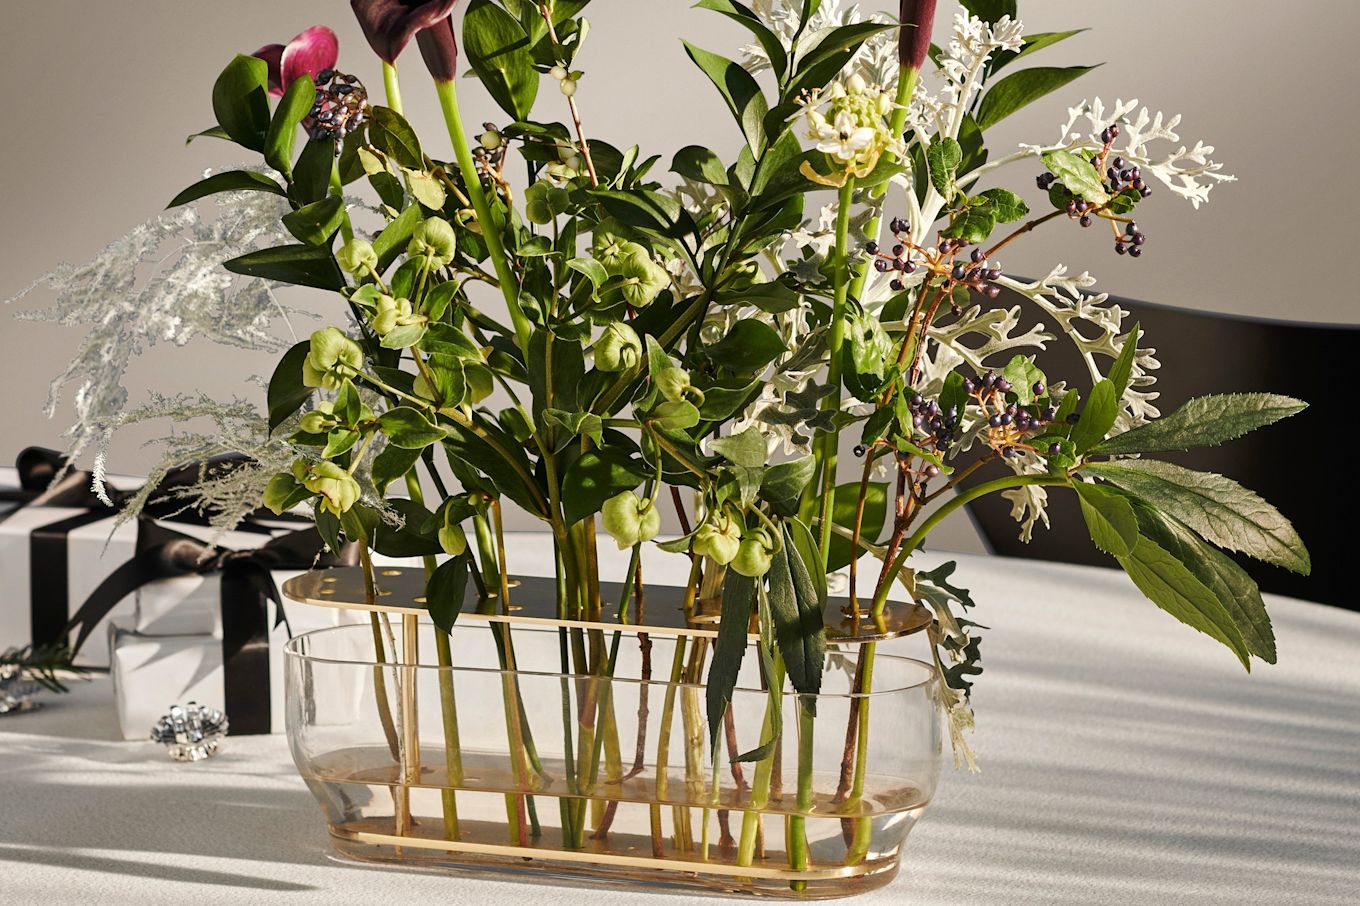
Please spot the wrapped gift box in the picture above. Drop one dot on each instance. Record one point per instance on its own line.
(152, 672)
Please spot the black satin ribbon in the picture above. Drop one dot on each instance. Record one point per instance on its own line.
(246, 588)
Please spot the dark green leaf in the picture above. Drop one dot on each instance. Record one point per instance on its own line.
(746, 17)
(953, 395)
(1022, 88)
(990, 11)
(595, 477)
(843, 514)
(392, 463)
(1122, 370)
(819, 65)
(394, 238)
(295, 104)
(446, 590)
(390, 133)
(227, 181)
(503, 464)
(797, 616)
(739, 89)
(748, 347)
(699, 164)
(1031, 44)
(498, 51)
(973, 225)
(286, 392)
(1097, 418)
(943, 158)
(312, 175)
(317, 222)
(407, 427)
(301, 265)
(240, 99)
(738, 602)
(783, 484)
(1005, 205)
(1205, 421)
(1218, 508)
(406, 540)
(1109, 518)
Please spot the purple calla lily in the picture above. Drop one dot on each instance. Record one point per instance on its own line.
(389, 25)
(310, 52)
(918, 17)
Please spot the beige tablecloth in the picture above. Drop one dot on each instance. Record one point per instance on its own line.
(1125, 760)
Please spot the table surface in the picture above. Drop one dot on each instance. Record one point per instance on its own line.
(1124, 759)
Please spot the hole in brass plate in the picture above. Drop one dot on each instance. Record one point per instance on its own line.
(384, 592)
(328, 591)
(391, 572)
(328, 579)
(513, 608)
(419, 600)
(512, 583)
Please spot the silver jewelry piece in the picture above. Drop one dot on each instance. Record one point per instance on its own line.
(192, 732)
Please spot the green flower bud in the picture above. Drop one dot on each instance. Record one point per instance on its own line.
(644, 279)
(338, 489)
(278, 492)
(319, 420)
(390, 314)
(754, 554)
(357, 257)
(673, 383)
(630, 520)
(618, 348)
(433, 239)
(332, 358)
(719, 539)
(452, 540)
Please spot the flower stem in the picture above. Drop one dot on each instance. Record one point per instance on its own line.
(392, 87)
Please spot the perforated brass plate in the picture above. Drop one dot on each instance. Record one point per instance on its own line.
(533, 601)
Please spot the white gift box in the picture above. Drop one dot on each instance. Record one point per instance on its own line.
(152, 672)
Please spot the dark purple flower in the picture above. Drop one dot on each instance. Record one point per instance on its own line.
(389, 25)
(913, 45)
(313, 51)
(439, 47)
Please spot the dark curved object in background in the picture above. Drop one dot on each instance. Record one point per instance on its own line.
(1303, 465)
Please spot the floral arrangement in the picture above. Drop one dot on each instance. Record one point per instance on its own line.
(591, 343)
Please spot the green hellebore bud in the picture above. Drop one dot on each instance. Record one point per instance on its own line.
(629, 519)
(338, 489)
(332, 358)
(618, 348)
(357, 257)
(644, 278)
(753, 554)
(319, 420)
(391, 313)
(433, 239)
(673, 383)
(452, 540)
(719, 540)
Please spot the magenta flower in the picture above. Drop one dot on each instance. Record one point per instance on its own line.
(389, 25)
(918, 17)
(313, 51)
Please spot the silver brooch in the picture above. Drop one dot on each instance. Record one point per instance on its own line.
(192, 732)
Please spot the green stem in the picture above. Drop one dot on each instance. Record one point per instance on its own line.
(934, 519)
(863, 826)
(798, 845)
(391, 86)
(760, 784)
(448, 102)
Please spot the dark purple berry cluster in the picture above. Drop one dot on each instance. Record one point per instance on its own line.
(341, 106)
(1121, 180)
(1131, 242)
(938, 428)
(974, 273)
(489, 155)
(1008, 423)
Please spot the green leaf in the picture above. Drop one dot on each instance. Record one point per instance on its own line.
(746, 449)
(389, 132)
(504, 464)
(739, 89)
(1170, 584)
(214, 132)
(286, 392)
(1076, 172)
(498, 51)
(339, 441)
(301, 265)
(1229, 583)
(797, 615)
(240, 99)
(953, 395)
(392, 463)
(843, 514)
(990, 11)
(1097, 418)
(1005, 205)
(1022, 88)
(1109, 518)
(295, 104)
(1122, 370)
(738, 601)
(943, 158)
(1204, 421)
(595, 477)
(227, 181)
(1032, 43)
(973, 225)
(394, 238)
(446, 590)
(1023, 375)
(747, 347)
(699, 164)
(593, 270)
(312, 175)
(783, 484)
(819, 65)
(1217, 508)
(408, 427)
(317, 222)
(746, 17)
(406, 540)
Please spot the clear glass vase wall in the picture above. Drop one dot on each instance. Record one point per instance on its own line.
(572, 776)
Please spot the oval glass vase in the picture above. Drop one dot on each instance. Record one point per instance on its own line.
(477, 751)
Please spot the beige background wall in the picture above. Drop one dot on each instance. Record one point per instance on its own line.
(95, 99)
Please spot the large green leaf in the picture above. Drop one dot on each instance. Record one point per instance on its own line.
(796, 609)
(286, 392)
(595, 477)
(503, 464)
(1032, 43)
(990, 11)
(240, 99)
(739, 89)
(699, 164)
(405, 540)
(1234, 589)
(871, 527)
(818, 66)
(301, 265)
(393, 239)
(942, 160)
(738, 602)
(1097, 418)
(747, 347)
(295, 104)
(1077, 173)
(498, 51)
(317, 222)
(1121, 372)
(1022, 88)
(1109, 518)
(747, 18)
(446, 590)
(1172, 586)
(407, 427)
(392, 463)
(783, 484)
(312, 175)
(389, 132)
(1204, 421)
(226, 181)
(1218, 508)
